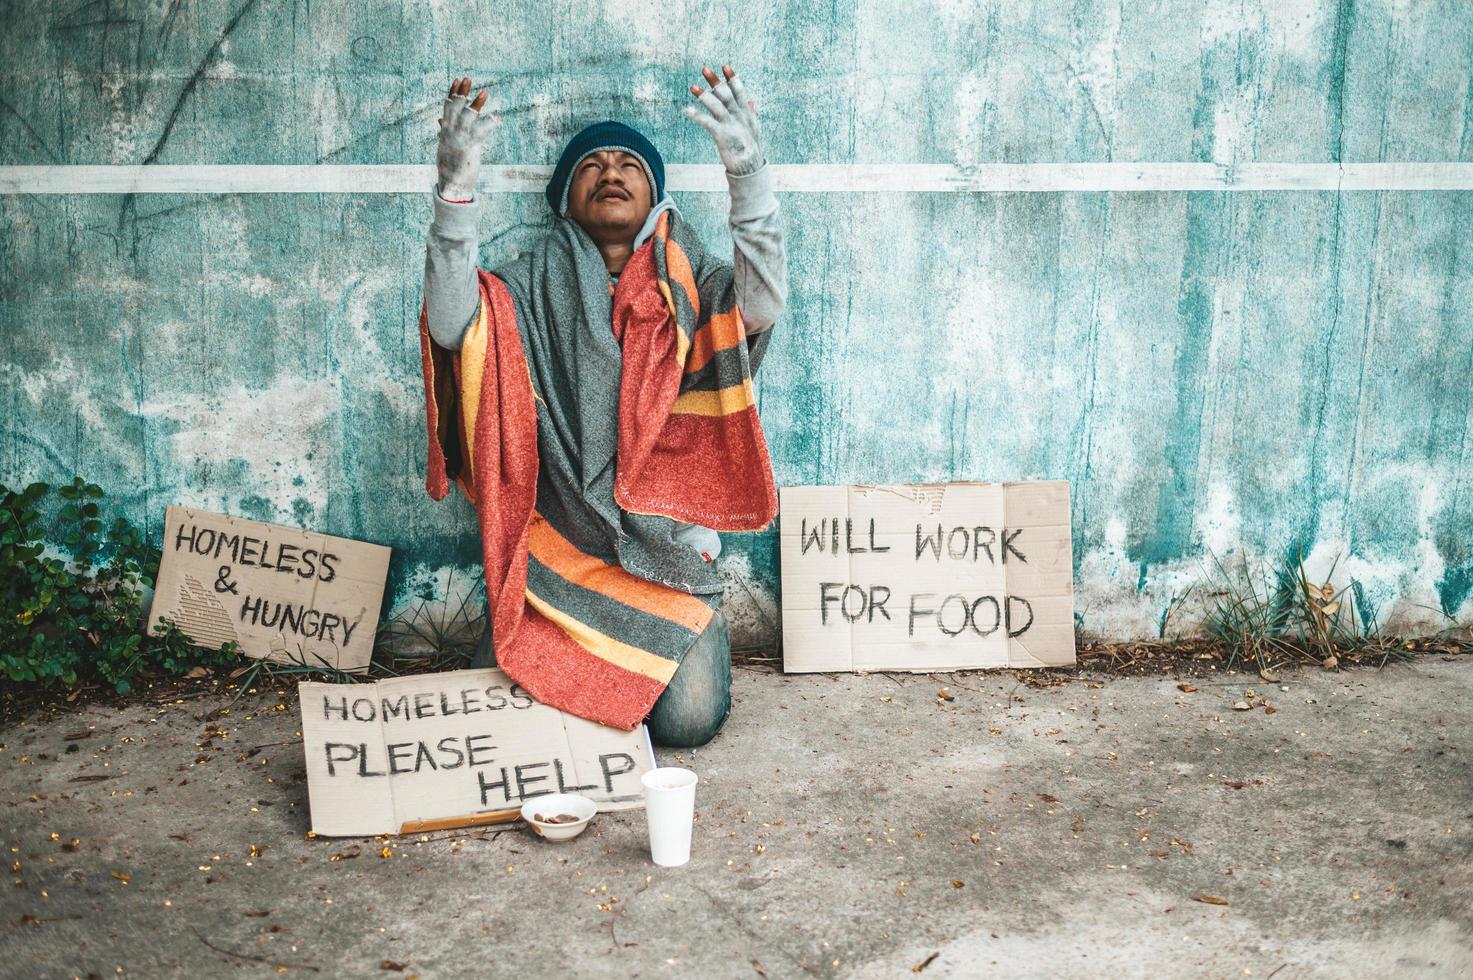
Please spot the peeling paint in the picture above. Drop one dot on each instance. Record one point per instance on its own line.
(269, 434)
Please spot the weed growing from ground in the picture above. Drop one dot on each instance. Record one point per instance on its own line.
(1283, 616)
(78, 619)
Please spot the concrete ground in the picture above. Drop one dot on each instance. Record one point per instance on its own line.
(848, 827)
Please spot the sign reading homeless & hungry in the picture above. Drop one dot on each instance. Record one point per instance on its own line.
(383, 757)
(281, 593)
(927, 576)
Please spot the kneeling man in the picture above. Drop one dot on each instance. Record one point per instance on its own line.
(593, 398)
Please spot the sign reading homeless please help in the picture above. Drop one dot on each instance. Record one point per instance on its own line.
(281, 593)
(927, 576)
(383, 758)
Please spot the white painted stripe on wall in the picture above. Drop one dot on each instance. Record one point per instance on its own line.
(797, 178)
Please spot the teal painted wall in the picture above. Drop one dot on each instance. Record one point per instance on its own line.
(1216, 373)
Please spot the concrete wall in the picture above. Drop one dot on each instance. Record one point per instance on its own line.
(1218, 373)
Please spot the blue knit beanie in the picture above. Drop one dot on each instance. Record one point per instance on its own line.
(607, 135)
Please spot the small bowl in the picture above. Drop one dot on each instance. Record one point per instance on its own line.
(554, 805)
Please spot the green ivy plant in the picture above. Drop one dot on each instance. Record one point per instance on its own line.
(73, 615)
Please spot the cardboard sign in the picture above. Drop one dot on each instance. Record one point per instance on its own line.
(927, 576)
(280, 592)
(386, 756)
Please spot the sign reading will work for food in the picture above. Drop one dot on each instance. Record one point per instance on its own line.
(927, 576)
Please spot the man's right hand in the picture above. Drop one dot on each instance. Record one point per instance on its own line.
(463, 132)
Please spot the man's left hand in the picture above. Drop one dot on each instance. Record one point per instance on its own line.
(731, 121)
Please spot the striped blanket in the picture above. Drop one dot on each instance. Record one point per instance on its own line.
(582, 424)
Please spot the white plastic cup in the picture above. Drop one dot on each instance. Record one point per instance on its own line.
(670, 808)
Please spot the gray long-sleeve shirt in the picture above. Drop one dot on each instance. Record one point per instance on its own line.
(759, 261)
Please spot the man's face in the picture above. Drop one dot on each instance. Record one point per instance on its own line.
(610, 196)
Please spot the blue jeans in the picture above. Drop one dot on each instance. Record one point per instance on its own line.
(697, 700)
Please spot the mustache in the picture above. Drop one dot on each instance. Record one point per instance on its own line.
(612, 189)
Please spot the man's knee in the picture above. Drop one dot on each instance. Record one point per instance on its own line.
(686, 728)
(698, 700)
(690, 713)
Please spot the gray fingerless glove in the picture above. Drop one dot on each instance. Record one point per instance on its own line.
(463, 133)
(732, 123)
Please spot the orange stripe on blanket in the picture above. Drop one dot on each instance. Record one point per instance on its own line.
(682, 341)
(681, 272)
(473, 364)
(605, 647)
(724, 332)
(470, 364)
(559, 554)
(727, 401)
(557, 671)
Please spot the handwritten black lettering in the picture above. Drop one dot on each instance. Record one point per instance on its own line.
(996, 616)
(422, 757)
(812, 538)
(394, 769)
(1007, 544)
(917, 612)
(562, 786)
(524, 780)
(877, 602)
(447, 745)
(1026, 605)
(606, 763)
(333, 760)
(487, 786)
(233, 540)
(363, 769)
(922, 543)
(824, 599)
(978, 544)
(471, 748)
(265, 550)
(286, 557)
(470, 702)
(941, 614)
(223, 583)
(872, 545)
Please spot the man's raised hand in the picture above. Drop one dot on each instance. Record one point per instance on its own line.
(463, 132)
(731, 120)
